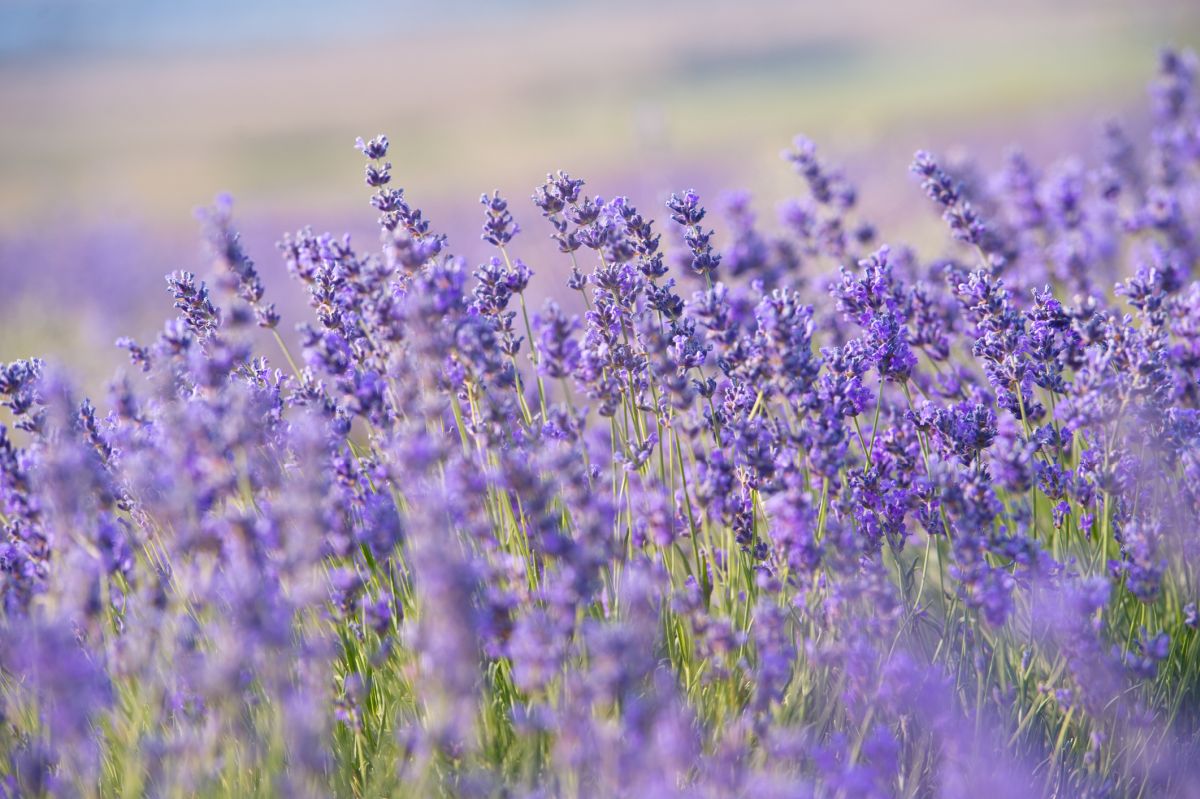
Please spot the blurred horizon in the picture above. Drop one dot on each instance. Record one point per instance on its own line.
(123, 117)
(150, 109)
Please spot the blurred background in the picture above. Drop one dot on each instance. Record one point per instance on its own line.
(119, 118)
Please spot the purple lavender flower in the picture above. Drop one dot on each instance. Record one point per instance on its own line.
(774, 553)
(499, 227)
(686, 211)
(966, 224)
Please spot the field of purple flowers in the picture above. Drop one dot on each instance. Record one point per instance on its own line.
(809, 514)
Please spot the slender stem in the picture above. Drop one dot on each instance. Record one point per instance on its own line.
(287, 354)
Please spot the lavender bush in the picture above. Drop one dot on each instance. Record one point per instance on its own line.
(796, 514)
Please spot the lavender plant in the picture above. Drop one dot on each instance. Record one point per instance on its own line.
(808, 515)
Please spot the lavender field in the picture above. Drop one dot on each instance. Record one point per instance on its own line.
(607, 495)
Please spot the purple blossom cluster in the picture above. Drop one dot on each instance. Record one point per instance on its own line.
(800, 514)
